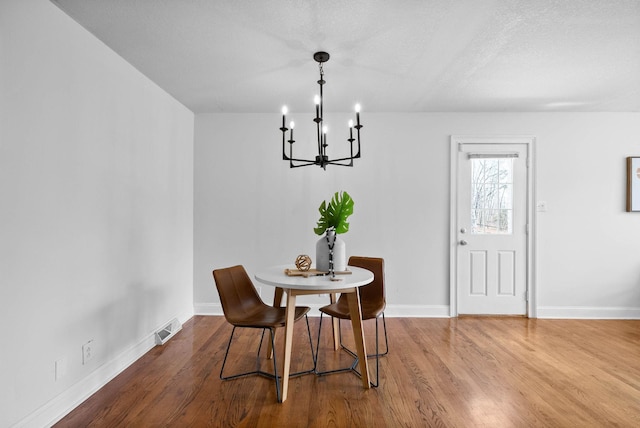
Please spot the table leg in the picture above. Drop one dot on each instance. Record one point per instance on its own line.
(334, 323)
(358, 335)
(277, 303)
(288, 339)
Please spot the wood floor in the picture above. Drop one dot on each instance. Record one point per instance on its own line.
(465, 372)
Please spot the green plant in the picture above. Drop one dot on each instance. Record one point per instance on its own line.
(334, 215)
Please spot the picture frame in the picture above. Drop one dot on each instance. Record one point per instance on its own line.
(633, 184)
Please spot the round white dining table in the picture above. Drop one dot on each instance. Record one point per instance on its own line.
(296, 285)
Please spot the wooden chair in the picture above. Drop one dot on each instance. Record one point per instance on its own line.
(243, 308)
(372, 302)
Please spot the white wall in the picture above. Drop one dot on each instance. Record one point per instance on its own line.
(96, 211)
(251, 209)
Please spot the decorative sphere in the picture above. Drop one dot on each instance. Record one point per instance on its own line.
(303, 262)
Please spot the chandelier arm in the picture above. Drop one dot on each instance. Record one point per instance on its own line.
(303, 160)
(290, 151)
(284, 137)
(319, 135)
(334, 162)
(284, 152)
(308, 162)
(340, 159)
(357, 155)
(351, 148)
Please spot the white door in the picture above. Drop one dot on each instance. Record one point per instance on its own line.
(491, 229)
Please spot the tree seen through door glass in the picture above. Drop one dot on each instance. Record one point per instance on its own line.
(491, 196)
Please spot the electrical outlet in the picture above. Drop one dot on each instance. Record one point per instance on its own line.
(87, 352)
(542, 206)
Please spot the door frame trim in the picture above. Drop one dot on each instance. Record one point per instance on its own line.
(531, 220)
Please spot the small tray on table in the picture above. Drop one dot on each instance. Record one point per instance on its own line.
(312, 272)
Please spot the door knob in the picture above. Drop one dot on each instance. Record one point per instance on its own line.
(463, 242)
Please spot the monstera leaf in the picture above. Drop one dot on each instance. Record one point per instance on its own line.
(335, 214)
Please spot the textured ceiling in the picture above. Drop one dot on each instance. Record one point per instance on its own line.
(391, 56)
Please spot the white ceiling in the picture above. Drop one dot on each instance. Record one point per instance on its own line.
(391, 56)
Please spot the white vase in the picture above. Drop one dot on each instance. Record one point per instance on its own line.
(339, 253)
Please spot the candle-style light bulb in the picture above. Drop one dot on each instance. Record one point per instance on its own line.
(350, 129)
(291, 125)
(358, 114)
(350, 123)
(316, 100)
(324, 129)
(284, 113)
(357, 108)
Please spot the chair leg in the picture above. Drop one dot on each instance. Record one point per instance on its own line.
(377, 355)
(313, 355)
(275, 365)
(341, 370)
(224, 362)
(257, 371)
(259, 348)
(386, 340)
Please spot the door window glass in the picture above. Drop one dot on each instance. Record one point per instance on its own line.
(491, 196)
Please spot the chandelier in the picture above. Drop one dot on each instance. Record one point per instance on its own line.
(322, 159)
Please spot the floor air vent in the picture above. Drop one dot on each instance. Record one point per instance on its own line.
(168, 331)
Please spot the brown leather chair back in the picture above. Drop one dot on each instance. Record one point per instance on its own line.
(372, 296)
(238, 296)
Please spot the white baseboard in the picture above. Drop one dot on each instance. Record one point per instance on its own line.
(587, 312)
(207, 309)
(60, 406)
(442, 311)
(417, 311)
(412, 311)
